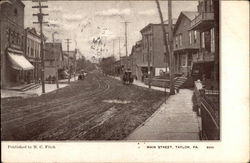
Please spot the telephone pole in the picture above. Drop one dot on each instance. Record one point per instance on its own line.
(126, 41)
(119, 49)
(114, 48)
(171, 57)
(168, 46)
(69, 67)
(40, 16)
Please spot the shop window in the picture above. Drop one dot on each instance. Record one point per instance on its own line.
(11, 37)
(189, 59)
(183, 60)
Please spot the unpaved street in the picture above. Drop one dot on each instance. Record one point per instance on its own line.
(97, 108)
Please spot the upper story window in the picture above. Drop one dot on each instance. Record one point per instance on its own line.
(190, 37)
(206, 40)
(203, 39)
(212, 40)
(195, 36)
(180, 39)
(8, 34)
(32, 52)
(149, 41)
(167, 37)
(176, 42)
(15, 12)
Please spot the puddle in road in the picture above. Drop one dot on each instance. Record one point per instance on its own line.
(99, 121)
(106, 115)
(117, 101)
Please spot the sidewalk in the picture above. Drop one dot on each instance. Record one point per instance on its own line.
(66, 80)
(141, 84)
(174, 120)
(30, 93)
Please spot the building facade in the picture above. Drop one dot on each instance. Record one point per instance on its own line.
(153, 48)
(138, 62)
(205, 23)
(12, 43)
(70, 56)
(32, 53)
(186, 43)
(53, 59)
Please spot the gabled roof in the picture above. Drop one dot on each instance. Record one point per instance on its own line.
(190, 15)
(32, 31)
(153, 24)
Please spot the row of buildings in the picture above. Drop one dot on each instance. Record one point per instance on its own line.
(195, 45)
(20, 49)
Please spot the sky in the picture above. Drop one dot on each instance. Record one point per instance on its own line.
(93, 25)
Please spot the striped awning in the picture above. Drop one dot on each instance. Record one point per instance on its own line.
(19, 62)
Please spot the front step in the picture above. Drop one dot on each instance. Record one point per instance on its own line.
(179, 81)
(33, 86)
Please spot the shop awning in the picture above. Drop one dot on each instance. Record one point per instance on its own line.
(19, 62)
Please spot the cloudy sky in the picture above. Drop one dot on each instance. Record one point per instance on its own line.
(93, 25)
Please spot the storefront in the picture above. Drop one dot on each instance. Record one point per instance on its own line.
(18, 66)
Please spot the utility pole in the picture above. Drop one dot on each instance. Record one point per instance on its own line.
(75, 64)
(69, 67)
(113, 47)
(119, 49)
(56, 58)
(167, 49)
(40, 16)
(171, 53)
(126, 41)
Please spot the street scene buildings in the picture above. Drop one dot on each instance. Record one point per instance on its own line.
(92, 87)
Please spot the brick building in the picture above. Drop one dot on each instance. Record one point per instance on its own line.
(53, 59)
(32, 53)
(153, 45)
(138, 63)
(13, 62)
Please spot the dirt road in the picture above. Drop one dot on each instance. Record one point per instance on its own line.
(97, 108)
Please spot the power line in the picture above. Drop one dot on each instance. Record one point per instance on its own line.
(40, 16)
